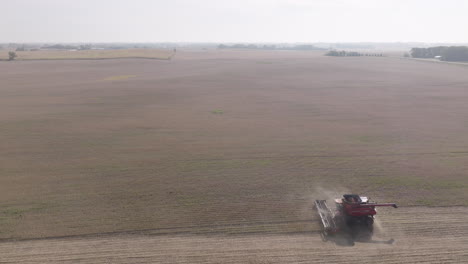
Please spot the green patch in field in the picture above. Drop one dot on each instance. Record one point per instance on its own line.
(13, 212)
(217, 112)
(8, 211)
(26, 126)
(365, 139)
(426, 184)
(189, 200)
(10, 215)
(427, 202)
(223, 164)
(453, 161)
(376, 139)
(119, 77)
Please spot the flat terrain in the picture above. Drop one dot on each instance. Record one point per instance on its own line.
(423, 238)
(227, 143)
(89, 54)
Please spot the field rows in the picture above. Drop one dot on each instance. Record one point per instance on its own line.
(219, 156)
(422, 235)
(89, 54)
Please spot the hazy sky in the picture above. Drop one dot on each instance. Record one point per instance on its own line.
(233, 20)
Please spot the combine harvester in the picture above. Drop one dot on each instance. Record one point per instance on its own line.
(353, 218)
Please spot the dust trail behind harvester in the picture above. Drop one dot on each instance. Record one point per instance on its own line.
(307, 200)
(321, 193)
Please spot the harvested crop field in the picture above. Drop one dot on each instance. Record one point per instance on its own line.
(90, 54)
(430, 236)
(228, 143)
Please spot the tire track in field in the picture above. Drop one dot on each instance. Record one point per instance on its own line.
(295, 157)
(422, 235)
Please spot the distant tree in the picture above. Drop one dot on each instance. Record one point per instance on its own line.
(337, 53)
(85, 47)
(353, 53)
(418, 52)
(61, 47)
(455, 53)
(268, 47)
(304, 47)
(12, 55)
(332, 53)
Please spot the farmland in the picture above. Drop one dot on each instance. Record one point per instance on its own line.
(425, 238)
(90, 54)
(235, 144)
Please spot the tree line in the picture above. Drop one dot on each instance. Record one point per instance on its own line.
(269, 47)
(343, 53)
(452, 53)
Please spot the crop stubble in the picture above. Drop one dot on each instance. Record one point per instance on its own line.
(432, 235)
(243, 141)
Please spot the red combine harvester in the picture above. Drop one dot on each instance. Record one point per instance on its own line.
(353, 217)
